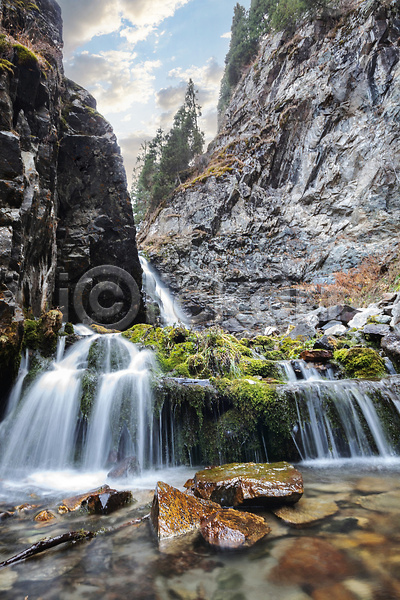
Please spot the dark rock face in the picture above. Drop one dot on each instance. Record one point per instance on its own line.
(302, 180)
(62, 183)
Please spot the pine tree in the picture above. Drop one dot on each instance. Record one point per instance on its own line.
(166, 158)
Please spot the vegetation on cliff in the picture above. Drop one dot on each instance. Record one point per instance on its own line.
(165, 160)
(249, 26)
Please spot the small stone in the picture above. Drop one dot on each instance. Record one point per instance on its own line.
(45, 516)
(236, 483)
(269, 331)
(230, 529)
(307, 512)
(323, 344)
(374, 332)
(362, 317)
(75, 502)
(302, 331)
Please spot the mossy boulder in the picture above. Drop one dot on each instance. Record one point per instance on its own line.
(360, 363)
(42, 334)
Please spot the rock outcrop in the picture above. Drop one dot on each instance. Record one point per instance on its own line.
(302, 179)
(64, 200)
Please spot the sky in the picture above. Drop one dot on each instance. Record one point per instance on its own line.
(136, 57)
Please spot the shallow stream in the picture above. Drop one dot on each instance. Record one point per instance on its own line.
(353, 554)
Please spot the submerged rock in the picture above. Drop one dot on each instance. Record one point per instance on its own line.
(231, 529)
(175, 513)
(387, 502)
(75, 502)
(307, 512)
(45, 516)
(236, 483)
(311, 561)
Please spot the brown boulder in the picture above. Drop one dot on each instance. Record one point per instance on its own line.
(234, 484)
(75, 502)
(174, 513)
(103, 500)
(230, 529)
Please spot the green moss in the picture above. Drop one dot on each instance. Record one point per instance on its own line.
(6, 66)
(263, 368)
(361, 363)
(69, 329)
(42, 334)
(89, 385)
(25, 57)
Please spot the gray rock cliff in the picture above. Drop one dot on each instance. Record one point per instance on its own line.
(303, 177)
(64, 204)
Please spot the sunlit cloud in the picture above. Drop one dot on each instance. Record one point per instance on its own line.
(115, 78)
(86, 20)
(227, 35)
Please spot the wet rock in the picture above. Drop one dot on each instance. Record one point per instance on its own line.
(387, 502)
(108, 502)
(125, 468)
(237, 483)
(311, 561)
(45, 516)
(75, 502)
(231, 529)
(390, 344)
(175, 513)
(6, 515)
(307, 512)
(316, 355)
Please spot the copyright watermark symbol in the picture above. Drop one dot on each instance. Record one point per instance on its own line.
(107, 296)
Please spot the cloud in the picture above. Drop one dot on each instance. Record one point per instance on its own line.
(115, 78)
(172, 97)
(227, 35)
(85, 20)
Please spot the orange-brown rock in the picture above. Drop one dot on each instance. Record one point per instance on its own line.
(316, 355)
(45, 516)
(174, 513)
(234, 484)
(230, 529)
(311, 561)
(75, 502)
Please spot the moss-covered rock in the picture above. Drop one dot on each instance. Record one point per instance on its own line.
(42, 334)
(361, 363)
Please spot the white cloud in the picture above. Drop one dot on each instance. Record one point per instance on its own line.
(227, 35)
(131, 148)
(114, 78)
(85, 20)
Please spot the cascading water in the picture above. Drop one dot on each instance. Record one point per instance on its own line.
(340, 419)
(170, 311)
(44, 428)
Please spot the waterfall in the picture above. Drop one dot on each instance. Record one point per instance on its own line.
(170, 311)
(45, 428)
(343, 419)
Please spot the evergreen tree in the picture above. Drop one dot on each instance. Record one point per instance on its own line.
(165, 159)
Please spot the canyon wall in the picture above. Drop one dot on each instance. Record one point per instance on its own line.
(302, 180)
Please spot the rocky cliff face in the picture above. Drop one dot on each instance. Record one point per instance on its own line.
(303, 177)
(64, 200)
